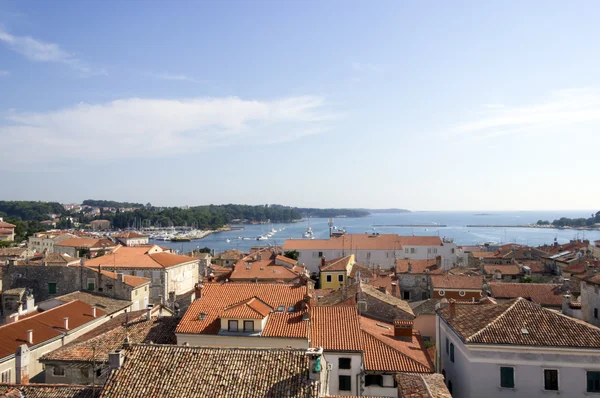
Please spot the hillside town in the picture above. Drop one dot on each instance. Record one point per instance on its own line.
(380, 315)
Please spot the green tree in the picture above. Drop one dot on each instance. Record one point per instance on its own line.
(293, 254)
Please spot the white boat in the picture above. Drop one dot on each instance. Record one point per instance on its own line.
(273, 231)
(227, 240)
(262, 237)
(309, 234)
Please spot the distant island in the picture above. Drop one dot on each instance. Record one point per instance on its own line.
(386, 211)
(592, 222)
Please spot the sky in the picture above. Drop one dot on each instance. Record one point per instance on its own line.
(463, 105)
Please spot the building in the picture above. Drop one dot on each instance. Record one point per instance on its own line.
(458, 287)
(24, 341)
(419, 385)
(17, 302)
(334, 274)
(373, 250)
(84, 247)
(131, 238)
(132, 288)
(14, 254)
(548, 295)
(7, 231)
(112, 306)
(171, 274)
(590, 297)
(264, 266)
(516, 348)
(143, 370)
(98, 225)
(228, 258)
(413, 277)
(204, 261)
(503, 273)
(85, 360)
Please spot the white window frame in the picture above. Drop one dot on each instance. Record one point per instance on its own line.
(441, 293)
(413, 250)
(59, 367)
(557, 379)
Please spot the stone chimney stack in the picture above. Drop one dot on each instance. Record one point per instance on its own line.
(438, 261)
(403, 328)
(22, 364)
(566, 299)
(30, 336)
(198, 291)
(452, 308)
(323, 261)
(66, 323)
(394, 289)
(120, 277)
(409, 267)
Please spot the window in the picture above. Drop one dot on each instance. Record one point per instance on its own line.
(320, 254)
(340, 278)
(98, 372)
(374, 380)
(232, 326)
(368, 255)
(406, 251)
(58, 371)
(345, 383)
(596, 313)
(447, 346)
(413, 250)
(451, 352)
(248, 326)
(461, 293)
(441, 292)
(593, 381)
(91, 284)
(344, 363)
(51, 287)
(429, 250)
(6, 376)
(136, 292)
(435, 250)
(551, 379)
(328, 278)
(405, 295)
(423, 295)
(507, 377)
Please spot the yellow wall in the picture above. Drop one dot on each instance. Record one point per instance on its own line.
(334, 284)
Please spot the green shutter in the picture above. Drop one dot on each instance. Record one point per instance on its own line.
(507, 377)
(52, 287)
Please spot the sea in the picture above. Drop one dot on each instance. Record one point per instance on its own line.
(455, 227)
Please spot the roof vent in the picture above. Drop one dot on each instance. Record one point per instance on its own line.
(524, 331)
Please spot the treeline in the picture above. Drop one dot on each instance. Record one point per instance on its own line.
(202, 217)
(573, 222)
(29, 210)
(110, 203)
(325, 213)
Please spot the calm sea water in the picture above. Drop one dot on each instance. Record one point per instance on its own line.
(455, 228)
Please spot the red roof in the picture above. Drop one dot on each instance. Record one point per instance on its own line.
(45, 325)
(4, 224)
(251, 308)
(457, 282)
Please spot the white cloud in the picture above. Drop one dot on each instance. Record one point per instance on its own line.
(137, 127)
(176, 77)
(574, 111)
(368, 67)
(4, 73)
(40, 51)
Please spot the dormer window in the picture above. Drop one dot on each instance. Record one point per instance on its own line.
(232, 326)
(248, 326)
(201, 316)
(291, 310)
(281, 308)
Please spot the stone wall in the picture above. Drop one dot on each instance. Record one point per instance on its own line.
(590, 300)
(417, 286)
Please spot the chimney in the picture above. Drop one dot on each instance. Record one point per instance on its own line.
(438, 261)
(22, 364)
(452, 308)
(115, 359)
(120, 277)
(94, 314)
(66, 323)
(394, 289)
(148, 313)
(30, 336)
(198, 291)
(589, 269)
(323, 260)
(403, 328)
(566, 299)
(13, 318)
(382, 289)
(409, 267)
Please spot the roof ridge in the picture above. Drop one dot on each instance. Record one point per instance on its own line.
(426, 385)
(517, 300)
(42, 313)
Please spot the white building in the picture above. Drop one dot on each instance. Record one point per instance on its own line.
(46, 240)
(131, 238)
(590, 297)
(516, 349)
(170, 274)
(373, 249)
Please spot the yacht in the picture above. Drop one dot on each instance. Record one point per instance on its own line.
(262, 237)
(227, 240)
(309, 234)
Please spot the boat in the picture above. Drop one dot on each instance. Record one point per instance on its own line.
(309, 234)
(273, 231)
(227, 240)
(262, 237)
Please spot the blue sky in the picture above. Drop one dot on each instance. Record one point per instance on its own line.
(420, 105)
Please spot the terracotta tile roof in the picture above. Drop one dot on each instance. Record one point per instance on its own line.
(479, 255)
(411, 385)
(520, 322)
(541, 293)
(284, 259)
(197, 372)
(87, 243)
(365, 271)
(58, 259)
(456, 282)
(252, 308)
(335, 328)
(139, 257)
(594, 279)
(263, 270)
(45, 325)
(347, 242)
(6, 231)
(97, 344)
(509, 269)
(424, 307)
(384, 352)
(4, 224)
(12, 251)
(580, 267)
(387, 298)
(107, 304)
(129, 235)
(48, 391)
(417, 266)
(421, 241)
(133, 281)
(216, 297)
(536, 266)
(338, 264)
(232, 254)
(287, 324)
